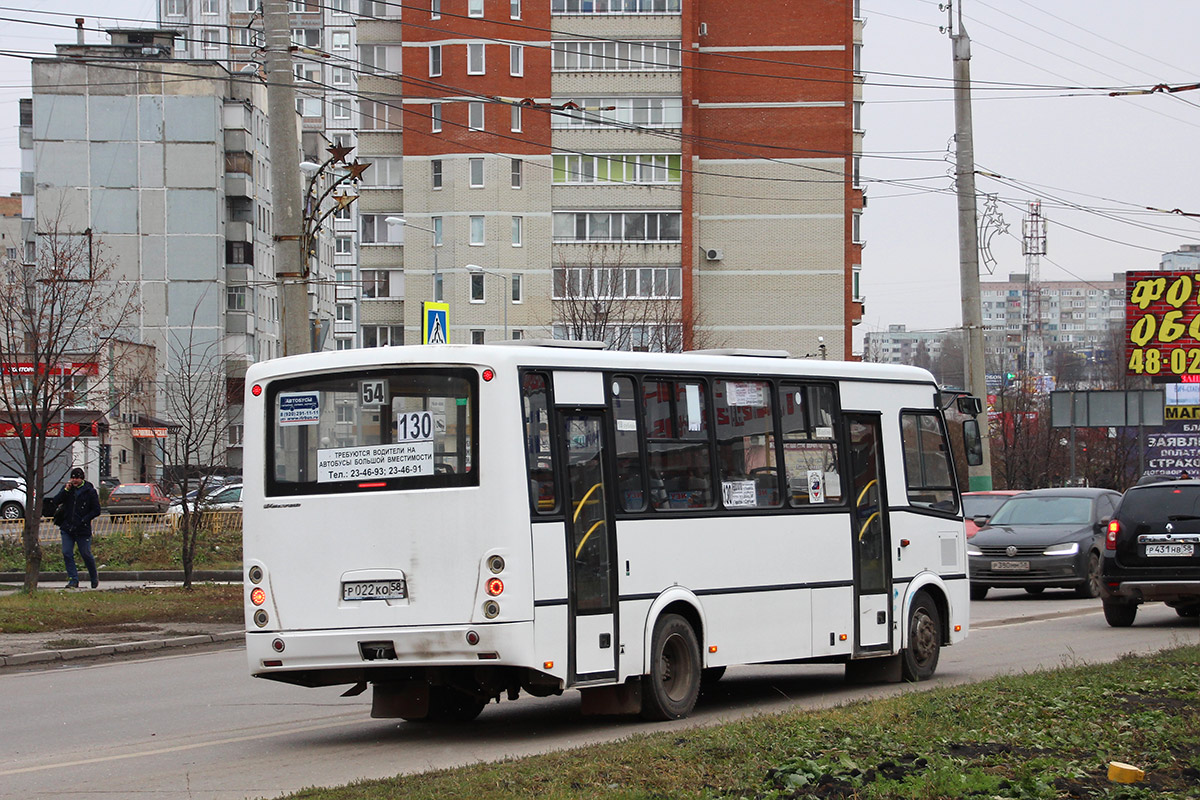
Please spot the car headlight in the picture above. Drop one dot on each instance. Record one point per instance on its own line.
(973, 550)
(1065, 549)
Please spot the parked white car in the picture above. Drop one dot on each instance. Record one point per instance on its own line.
(228, 498)
(12, 499)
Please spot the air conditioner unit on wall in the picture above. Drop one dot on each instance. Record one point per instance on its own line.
(714, 254)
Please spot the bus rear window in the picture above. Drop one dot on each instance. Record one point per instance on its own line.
(377, 429)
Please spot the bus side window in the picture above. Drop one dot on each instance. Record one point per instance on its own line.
(535, 401)
(927, 469)
(631, 492)
(810, 451)
(677, 447)
(746, 444)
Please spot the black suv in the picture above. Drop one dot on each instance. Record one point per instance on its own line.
(1152, 551)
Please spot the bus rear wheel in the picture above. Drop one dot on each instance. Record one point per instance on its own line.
(671, 688)
(920, 659)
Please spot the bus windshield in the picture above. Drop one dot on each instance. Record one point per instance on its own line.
(372, 429)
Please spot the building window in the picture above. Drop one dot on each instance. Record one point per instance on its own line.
(378, 115)
(517, 224)
(376, 283)
(475, 116)
(437, 231)
(600, 112)
(341, 109)
(476, 337)
(515, 119)
(476, 231)
(516, 60)
(209, 7)
(514, 9)
(518, 334)
(435, 117)
(339, 6)
(609, 56)
(235, 435)
(308, 106)
(856, 228)
(307, 37)
(604, 226)
(435, 9)
(475, 58)
(476, 172)
(858, 118)
(343, 276)
(436, 168)
(517, 284)
(345, 343)
(385, 171)
(343, 245)
(340, 76)
(177, 8)
(623, 168)
(211, 38)
(477, 288)
(340, 40)
(345, 312)
(603, 283)
(235, 298)
(517, 173)
(474, 8)
(382, 335)
(435, 60)
(615, 6)
(373, 229)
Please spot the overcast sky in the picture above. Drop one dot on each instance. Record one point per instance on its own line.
(1043, 121)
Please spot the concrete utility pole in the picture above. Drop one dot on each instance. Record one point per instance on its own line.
(291, 264)
(968, 238)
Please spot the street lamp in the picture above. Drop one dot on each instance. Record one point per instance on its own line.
(504, 299)
(394, 222)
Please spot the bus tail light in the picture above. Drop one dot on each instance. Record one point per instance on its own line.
(1110, 537)
(491, 609)
(261, 618)
(258, 596)
(496, 564)
(256, 390)
(495, 587)
(472, 638)
(256, 574)
(277, 645)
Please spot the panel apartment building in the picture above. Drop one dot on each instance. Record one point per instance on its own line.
(697, 158)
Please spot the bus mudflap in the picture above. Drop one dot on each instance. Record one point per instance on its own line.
(623, 698)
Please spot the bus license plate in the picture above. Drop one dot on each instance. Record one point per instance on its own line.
(374, 590)
(1170, 549)
(1010, 566)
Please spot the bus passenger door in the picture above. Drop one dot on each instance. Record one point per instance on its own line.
(871, 535)
(591, 546)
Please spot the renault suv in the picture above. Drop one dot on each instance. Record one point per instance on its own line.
(1152, 551)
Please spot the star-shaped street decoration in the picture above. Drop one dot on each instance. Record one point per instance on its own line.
(344, 200)
(338, 152)
(356, 168)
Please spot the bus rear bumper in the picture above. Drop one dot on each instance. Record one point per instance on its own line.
(275, 654)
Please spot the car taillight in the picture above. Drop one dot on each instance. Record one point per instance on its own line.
(1110, 537)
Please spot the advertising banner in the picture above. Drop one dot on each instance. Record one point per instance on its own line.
(1162, 323)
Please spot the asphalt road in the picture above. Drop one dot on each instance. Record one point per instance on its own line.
(196, 726)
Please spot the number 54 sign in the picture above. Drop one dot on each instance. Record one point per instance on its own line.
(1162, 323)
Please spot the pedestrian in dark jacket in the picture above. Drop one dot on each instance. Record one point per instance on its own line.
(77, 504)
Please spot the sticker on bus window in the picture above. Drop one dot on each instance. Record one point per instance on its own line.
(816, 486)
(379, 461)
(745, 394)
(739, 494)
(373, 393)
(692, 392)
(299, 408)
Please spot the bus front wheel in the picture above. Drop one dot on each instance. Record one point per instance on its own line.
(920, 658)
(671, 688)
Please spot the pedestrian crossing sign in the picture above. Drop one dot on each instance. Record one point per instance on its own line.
(435, 323)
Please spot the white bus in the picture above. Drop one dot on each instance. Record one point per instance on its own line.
(451, 523)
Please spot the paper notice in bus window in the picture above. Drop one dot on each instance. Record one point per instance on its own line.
(299, 408)
(693, 406)
(816, 486)
(745, 394)
(627, 425)
(380, 461)
(823, 432)
(738, 494)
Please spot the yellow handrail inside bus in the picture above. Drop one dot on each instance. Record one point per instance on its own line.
(863, 493)
(582, 500)
(579, 549)
(863, 529)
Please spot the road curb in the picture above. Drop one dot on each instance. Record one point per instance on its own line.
(150, 575)
(74, 653)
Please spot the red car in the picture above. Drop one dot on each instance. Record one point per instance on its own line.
(136, 498)
(983, 504)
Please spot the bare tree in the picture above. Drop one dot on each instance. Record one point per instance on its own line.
(196, 396)
(63, 315)
(601, 299)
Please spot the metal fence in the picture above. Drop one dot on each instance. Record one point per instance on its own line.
(225, 522)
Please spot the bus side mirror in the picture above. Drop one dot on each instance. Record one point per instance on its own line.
(969, 405)
(972, 442)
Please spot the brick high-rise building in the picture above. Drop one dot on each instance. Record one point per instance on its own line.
(688, 169)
